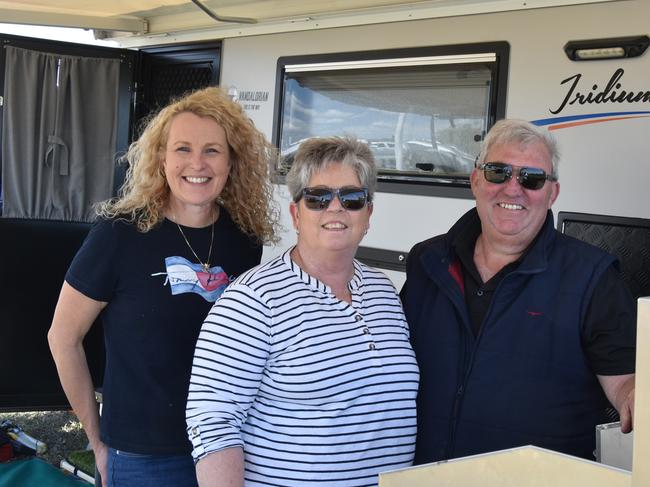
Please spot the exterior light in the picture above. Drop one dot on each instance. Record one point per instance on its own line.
(620, 47)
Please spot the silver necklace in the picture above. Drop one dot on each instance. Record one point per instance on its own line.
(204, 265)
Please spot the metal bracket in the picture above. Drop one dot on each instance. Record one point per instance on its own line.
(223, 18)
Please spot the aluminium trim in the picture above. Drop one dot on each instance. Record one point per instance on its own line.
(393, 62)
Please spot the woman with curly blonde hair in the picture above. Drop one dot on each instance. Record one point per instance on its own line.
(247, 194)
(192, 214)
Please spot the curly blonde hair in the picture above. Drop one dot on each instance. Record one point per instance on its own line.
(248, 192)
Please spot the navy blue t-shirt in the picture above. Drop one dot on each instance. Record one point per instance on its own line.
(158, 296)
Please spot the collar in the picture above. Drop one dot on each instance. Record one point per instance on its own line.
(465, 231)
(316, 284)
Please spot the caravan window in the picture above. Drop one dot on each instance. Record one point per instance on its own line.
(422, 111)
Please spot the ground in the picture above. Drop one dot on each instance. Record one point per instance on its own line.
(60, 430)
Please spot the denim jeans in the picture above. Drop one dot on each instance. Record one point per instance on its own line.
(136, 470)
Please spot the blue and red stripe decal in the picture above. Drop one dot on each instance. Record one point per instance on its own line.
(557, 123)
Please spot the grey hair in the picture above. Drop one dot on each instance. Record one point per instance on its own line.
(317, 153)
(513, 131)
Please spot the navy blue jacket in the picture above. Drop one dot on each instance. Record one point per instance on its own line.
(524, 379)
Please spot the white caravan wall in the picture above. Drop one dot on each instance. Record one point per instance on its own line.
(605, 167)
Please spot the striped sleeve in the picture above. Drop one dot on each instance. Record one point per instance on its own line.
(229, 361)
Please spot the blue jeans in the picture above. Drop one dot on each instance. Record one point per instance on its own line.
(136, 470)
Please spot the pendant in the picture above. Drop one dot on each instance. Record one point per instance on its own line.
(206, 267)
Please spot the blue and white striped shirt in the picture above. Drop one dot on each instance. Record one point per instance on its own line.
(316, 391)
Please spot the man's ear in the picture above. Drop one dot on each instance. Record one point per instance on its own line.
(473, 180)
(555, 192)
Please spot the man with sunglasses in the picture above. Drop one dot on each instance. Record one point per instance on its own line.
(523, 335)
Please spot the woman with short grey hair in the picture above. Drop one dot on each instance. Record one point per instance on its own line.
(303, 373)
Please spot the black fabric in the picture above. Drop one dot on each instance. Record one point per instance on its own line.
(609, 329)
(150, 334)
(478, 295)
(609, 326)
(34, 257)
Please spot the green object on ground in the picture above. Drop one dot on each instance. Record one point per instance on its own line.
(35, 472)
(84, 460)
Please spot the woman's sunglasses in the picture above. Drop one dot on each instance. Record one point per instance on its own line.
(529, 177)
(319, 197)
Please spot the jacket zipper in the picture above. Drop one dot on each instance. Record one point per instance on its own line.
(451, 441)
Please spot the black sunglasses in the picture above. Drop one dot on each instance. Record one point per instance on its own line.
(319, 197)
(529, 177)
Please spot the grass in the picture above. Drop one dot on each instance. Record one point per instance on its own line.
(84, 460)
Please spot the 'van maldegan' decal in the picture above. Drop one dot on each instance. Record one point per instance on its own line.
(613, 92)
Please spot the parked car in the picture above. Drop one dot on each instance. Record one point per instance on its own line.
(440, 159)
(384, 152)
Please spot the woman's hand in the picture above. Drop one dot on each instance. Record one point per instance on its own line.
(101, 461)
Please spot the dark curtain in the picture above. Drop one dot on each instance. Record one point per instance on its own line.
(59, 137)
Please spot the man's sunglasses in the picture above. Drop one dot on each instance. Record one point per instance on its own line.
(529, 177)
(319, 197)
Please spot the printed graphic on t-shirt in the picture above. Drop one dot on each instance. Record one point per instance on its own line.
(184, 276)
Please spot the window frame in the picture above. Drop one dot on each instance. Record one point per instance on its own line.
(497, 102)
